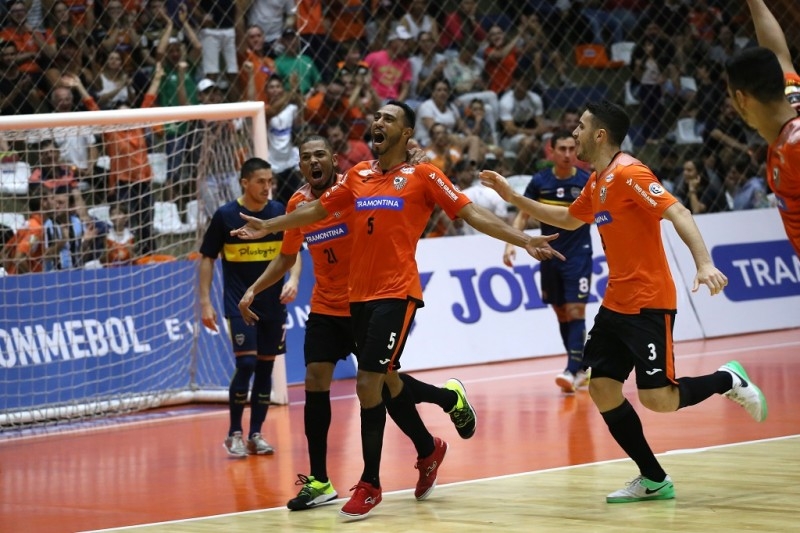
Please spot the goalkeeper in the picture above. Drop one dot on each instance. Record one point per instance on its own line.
(329, 336)
(255, 345)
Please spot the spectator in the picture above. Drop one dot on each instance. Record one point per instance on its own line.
(441, 152)
(291, 60)
(705, 102)
(500, 58)
(112, 84)
(417, 21)
(58, 21)
(703, 19)
(702, 195)
(48, 172)
(116, 33)
(618, 17)
(427, 66)
(537, 51)
(284, 116)
(460, 26)
(348, 151)
(334, 104)
(119, 240)
(218, 37)
(651, 64)
(63, 234)
(522, 120)
(568, 122)
(467, 175)
(346, 21)
(439, 108)
(69, 60)
(724, 44)
(726, 135)
(24, 252)
(18, 94)
(742, 189)
(272, 17)
(130, 177)
(353, 61)
(31, 44)
(310, 25)
(391, 68)
(478, 125)
(261, 66)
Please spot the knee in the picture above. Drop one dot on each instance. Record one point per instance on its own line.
(663, 400)
(318, 378)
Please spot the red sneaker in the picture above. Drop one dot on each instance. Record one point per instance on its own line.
(365, 497)
(428, 469)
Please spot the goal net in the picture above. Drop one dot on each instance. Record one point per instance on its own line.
(99, 312)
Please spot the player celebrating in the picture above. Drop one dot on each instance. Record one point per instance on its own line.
(255, 347)
(633, 329)
(389, 203)
(565, 284)
(329, 336)
(764, 87)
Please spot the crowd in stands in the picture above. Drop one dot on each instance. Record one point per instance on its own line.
(484, 77)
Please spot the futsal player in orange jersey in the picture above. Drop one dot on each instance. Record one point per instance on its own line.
(765, 90)
(389, 203)
(633, 329)
(329, 335)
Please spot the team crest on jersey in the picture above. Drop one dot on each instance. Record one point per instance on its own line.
(576, 191)
(239, 338)
(776, 177)
(400, 182)
(365, 172)
(603, 191)
(407, 170)
(656, 189)
(337, 214)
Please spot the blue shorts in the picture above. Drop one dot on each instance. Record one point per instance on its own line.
(265, 337)
(567, 281)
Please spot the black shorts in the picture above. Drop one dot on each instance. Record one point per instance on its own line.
(329, 338)
(619, 343)
(566, 282)
(380, 329)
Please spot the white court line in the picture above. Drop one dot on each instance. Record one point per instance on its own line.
(454, 484)
(105, 424)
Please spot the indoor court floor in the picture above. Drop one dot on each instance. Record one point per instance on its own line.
(540, 461)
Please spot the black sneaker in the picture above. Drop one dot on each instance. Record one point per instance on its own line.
(462, 415)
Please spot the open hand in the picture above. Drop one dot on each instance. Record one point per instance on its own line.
(497, 183)
(539, 247)
(254, 229)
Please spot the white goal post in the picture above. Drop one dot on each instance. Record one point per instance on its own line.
(84, 342)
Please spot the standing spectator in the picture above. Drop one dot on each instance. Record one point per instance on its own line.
(218, 38)
(345, 20)
(33, 45)
(522, 120)
(391, 69)
(130, 176)
(427, 66)
(565, 284)
(500, 59)
(18, 93)
(348, 151)
(335, 104)
(256, 346)
(417, 21)
(633, 329)
(312, 27)
(460, 26)
(291, 60)
(116, 33)
(112, 84)
(284, 117)
(261, 66)
(272, 17)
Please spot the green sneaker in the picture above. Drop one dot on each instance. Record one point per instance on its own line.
(642, 489)
(744, 392)
(312, 494)
(462, 415)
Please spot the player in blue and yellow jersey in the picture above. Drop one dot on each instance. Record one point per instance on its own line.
(254, 345)
(565, 284)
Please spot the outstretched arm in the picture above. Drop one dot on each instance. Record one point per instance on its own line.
(487, 222)
(707, 273)
(257, 228)
(549, 214)
(769, 33)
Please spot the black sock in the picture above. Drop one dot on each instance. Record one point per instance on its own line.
(694, 390)
(576, 335)
(404, 413)
(422, 392)
(237, 392)
(373, 422)
(317, 418)
(259, 397)
(626, 428)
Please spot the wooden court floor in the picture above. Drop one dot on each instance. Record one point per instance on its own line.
(549, 457)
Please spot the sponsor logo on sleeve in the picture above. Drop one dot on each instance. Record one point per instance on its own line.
(603, 217)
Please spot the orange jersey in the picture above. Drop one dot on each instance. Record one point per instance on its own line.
(310, 20)
(388, 213)
(329, 243)
(28, 242)
(263, 68)
(627, 203)
(783, 176)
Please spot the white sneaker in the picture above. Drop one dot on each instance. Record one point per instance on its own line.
(566, 380)
(641, 489)
(234, 445)
(256, 445)
(744, 392)
(582, 378)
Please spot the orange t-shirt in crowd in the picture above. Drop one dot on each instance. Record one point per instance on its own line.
(347, 21)
(500, 72)
(626, 201)
(263, 68)
(388, 213)
(329, 243)
(318, 114)
(29, 241)
(783, 176)
(127, 149)
(25, 42)
(310, 20)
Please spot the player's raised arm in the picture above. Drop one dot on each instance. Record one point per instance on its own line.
(769, 33)
(257, 228)
(554, 215)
